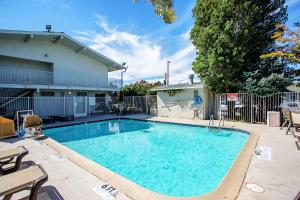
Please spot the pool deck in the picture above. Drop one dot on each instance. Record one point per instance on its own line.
(279, 177)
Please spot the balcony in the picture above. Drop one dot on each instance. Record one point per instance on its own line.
(24, 76)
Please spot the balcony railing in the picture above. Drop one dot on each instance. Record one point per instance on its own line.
(25, 76)
(9, 75)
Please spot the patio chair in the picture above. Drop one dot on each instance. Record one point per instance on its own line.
(296, 120)
(10, 159)
(30, 178)
(287, 116)
(33, 122)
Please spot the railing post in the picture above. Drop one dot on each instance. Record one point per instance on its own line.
(25, 76)
(27, 103)
(251, 108)
(49, 78)
(219, 106)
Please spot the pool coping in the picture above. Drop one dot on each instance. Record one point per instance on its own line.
(227, 189)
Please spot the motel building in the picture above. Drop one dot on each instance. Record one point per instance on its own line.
(47, 63)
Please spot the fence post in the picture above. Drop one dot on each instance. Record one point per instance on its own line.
(146, 102)
(133, 101)
(88, 105)
(251, 108)
(74, 106)
(64, 105)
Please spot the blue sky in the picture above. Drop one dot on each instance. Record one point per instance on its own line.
(119, 29)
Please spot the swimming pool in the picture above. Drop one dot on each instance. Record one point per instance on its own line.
(171, 159)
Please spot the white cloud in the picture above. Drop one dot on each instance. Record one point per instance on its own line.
(146, 58)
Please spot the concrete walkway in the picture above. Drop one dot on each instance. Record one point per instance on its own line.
(66, 179)
(279, 177)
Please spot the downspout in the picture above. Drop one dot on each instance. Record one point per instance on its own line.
(123, 75)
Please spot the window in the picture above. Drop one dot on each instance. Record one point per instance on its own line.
(47, 94)
(81, 94)
(100, 102)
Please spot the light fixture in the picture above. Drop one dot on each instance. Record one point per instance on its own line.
(48, 27)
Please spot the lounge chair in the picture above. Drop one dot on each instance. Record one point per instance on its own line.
(10, 159)
(30, 178)
(296, 120)
(287, 117)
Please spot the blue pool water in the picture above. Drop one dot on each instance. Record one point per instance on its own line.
(171, 159)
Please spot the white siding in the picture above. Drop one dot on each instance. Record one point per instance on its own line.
(178, 105)
(67, 64)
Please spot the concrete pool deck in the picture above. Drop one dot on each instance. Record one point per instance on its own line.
(279, 177)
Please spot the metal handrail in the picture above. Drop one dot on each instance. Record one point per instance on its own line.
(221, 120)
(211, 120)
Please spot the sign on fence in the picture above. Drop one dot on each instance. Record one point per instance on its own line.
(232, 97)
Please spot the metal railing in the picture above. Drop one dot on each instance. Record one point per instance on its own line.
(11, 75)
(253, 108)
(114, 83)
(77, 106)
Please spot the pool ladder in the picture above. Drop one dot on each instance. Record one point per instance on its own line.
(221, 121)
(211, 121)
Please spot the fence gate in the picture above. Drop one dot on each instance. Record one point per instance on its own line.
(80, 106)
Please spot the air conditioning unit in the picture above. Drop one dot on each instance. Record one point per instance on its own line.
(273, 119)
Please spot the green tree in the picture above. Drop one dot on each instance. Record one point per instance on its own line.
(270, 69)
(140, 88)
(230, 36)
(164, 8)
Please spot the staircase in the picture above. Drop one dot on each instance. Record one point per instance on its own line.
(9, 96)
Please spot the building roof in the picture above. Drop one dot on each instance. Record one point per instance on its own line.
(178, 86)
(65, 39)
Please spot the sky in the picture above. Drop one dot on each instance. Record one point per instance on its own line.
(119, 29)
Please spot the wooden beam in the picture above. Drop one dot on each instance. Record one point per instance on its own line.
(80, 50)
(58, 38)
(28, 37)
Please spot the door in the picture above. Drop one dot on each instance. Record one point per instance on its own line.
(80, 105)
(100, 102)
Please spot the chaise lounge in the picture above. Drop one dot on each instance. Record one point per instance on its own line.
(10, 159)
(30, 178)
